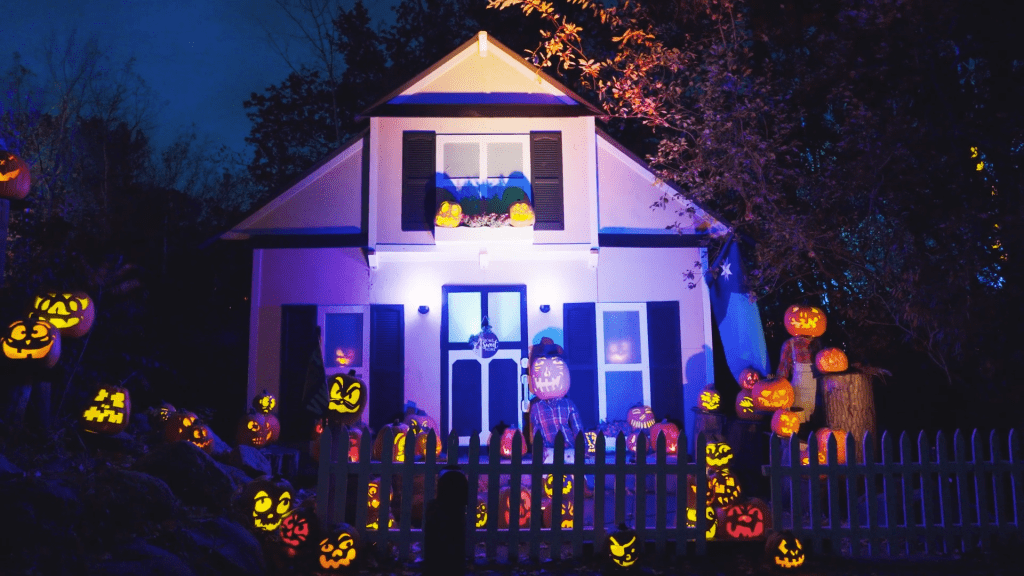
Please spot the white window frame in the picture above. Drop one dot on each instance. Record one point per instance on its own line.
(482, 140)
(330, 367)
(603, 368)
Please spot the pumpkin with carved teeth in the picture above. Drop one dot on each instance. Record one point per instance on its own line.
(785, 423)
(748, 519)
(640, 417)
(725, 489)
(268, 499)
(253, 430)
(718, 455)
(347, 398)
(15, 180)
(108, 412)
(32, 340)
(785, 550)
(749, 377)
(773, 394)
(339, 550)
(549, 377)
(72, 313)
(803, 320)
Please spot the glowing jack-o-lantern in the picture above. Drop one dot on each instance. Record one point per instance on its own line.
(711, 527)
(549, 377)
(623, 549)
(745, 409)
(773, 394)
(178, 425)
(400, 433)
(521, 214)
(72, 313)
(200, 436)
(253, 430)
(419, 423)
(33, 340)
(565, 486)
(269, 499)
(347, 398)
(785, 423)
(449, 214)
(506, 436)
(481, 513)
(840, 436)
(339, 550)
(725, 489)
(640, 417)
(15, 180)
(566, 516)
(264, 403)
(717, 455)
(749, 377)
(108, 411)
(671, 433)
(421, 444)
(802, 320)
(710, 400)
(507, 509)
(785, 550)
(164, 411)
(748, 519)
(831, 360)
(300, 531)
(590, 441)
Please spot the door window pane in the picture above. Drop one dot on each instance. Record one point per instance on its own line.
(464, 314)
(343, 340)
(503, 314)
(622, 337)
(462, 159)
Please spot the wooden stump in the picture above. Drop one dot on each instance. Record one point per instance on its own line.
(850, 406)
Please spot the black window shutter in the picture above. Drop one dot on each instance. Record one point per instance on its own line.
(546, 180)
(419, 156)
(666, 359)
(299, 344)
(387, 363)
(580, 322)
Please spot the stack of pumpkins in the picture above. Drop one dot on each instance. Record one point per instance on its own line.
(728, 515)
(260, 427)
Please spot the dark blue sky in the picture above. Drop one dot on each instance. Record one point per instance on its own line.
(202, 57)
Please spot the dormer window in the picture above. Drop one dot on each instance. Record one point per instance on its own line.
(483, 166)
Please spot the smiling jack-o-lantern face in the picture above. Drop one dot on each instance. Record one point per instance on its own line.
(640, 417)
(34, 340)
(347, 398)
(711, 527)
(201, 436)
(108, 412)
(725, 489)
(71, 312)
(774, 394)
(831, 360)
(785, 423)
(801, 320)
(785, 550)
(339, 550)
(481, 513)
(15, 180)
(749, 519)
(710, 400)
(449, 214)
(717, 455)
(623, 549)
(549, 377)
(269, 499)
(565, 484)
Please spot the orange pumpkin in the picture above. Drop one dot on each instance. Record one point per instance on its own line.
(840, 435)
(785, 423)
(831, 360)
(803, 320)
(671, 432)
(400, 433)
(33, 340)
(15, 180)
(745, 406)
(505, 507)
(773, 394)
(71, 312)
(749, 377)
(505, 434)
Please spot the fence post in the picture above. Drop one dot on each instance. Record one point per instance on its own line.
(444, 538)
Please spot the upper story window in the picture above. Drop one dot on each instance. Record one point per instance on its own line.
(484, 166)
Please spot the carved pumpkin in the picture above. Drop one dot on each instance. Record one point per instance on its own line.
(566, 517)
(300, 531)
(339, 550)
(400, 433)
(521, 214)
(718, 455)
(108, 411)
(505, 507)
(749, 377)
(590, 441)
(823, 434)
(506, 434)
(253, 430)
(785, 550)
(274, 426)
(347, 398)
(748, 519)
(803, 320)
(72, 313)
(178, 426)
(831, 360)
(623, 548)
(785, 423)
(449, 214)
(671, 433)
(725, 489)
(421, 443)
(264, 403)
(33, 340)
(710, 400)
(163, 412)
(745, 406)
(355, 440)
(773, 394)
(15, 180)
(711, 528)
(691, 492)
(201, 436)
(481, 513)
(640, 417)
(374, 508)
(633, 439)
(565, 485)
(549, 377)
(419, 423)
(269, 499)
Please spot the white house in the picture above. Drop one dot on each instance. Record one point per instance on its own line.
(352, 248)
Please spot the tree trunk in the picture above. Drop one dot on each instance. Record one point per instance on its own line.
(5, 215)
(850, 406)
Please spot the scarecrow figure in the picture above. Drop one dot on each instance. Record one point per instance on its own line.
(796, 361)
(551, 412)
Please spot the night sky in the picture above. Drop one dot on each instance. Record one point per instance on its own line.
(203, 58)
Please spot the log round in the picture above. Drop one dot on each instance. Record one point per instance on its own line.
(850, 406)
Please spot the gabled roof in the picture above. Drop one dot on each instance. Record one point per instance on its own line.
(482, 78)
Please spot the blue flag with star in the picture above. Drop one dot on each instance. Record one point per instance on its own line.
(738, 320)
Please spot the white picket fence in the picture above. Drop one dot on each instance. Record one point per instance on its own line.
(924, 499)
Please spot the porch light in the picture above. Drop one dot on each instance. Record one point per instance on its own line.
(545, 308)
(423, 309)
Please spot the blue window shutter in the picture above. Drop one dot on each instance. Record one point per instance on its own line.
(666, 359)
(298, 345)
(580, 324)
(419, 156)
(387, 363)
(546, 180)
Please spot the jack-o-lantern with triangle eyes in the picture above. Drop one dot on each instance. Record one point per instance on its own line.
(268, 500)
(73, 313)
(725, 489)
(108, 411)
(785, 423)
(15, 179)
(718, 455)
(785, 551)
(32, 340)
(623, 548)
(449, 214)
(347, 398)
(339, 550)
(521, 214)
(773, 394)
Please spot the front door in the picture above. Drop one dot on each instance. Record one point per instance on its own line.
(483, 343)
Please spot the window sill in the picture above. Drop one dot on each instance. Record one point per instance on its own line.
(463, 235)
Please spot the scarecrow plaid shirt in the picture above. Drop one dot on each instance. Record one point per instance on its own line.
(550, 416)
